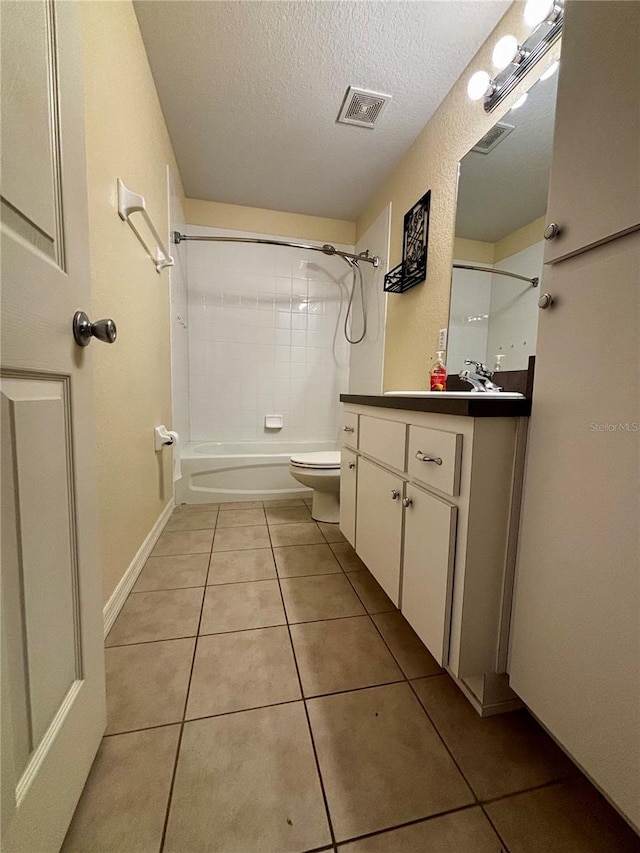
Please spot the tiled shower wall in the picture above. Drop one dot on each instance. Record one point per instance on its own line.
(265, 337)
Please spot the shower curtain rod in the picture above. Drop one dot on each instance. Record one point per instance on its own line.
(327, 249)
(532, 281)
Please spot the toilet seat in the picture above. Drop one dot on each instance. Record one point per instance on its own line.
(323, 460)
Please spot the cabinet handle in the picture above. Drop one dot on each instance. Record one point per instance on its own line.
(422, 458)
(348, 429)
(551, 231)
(545, 301)
(395, 494)
(407, 502)
(352, 464)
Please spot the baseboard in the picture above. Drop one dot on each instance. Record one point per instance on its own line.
(120, 593)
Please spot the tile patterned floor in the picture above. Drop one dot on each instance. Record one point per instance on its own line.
(265, 696)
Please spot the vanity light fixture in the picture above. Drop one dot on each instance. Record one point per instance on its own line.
(520, 101)
(514, 60)
(551, 70)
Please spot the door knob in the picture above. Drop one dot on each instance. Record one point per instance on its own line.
(84, 330)
(352, 464)
(545, 301)
(348, 429)
(551, 231)
(395, 494)
(407, 502)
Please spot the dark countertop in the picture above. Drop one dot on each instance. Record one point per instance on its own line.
(478, 407)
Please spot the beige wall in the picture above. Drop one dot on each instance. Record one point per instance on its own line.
(432, 163)
(126, 137)
(276, 222)
(511, 244)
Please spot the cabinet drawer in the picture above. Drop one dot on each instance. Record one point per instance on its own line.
(384, 440)
(349, 433)
(427, 577)
(348, 478)
(379, 525)
(445, 448)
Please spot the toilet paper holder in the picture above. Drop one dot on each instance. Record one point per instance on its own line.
(162, 437)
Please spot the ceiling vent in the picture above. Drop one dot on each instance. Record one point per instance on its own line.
(493, 137)
(362, 107)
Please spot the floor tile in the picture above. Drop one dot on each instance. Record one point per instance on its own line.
(319, 597)
(284, 502)
(296, 534)
(161, 615)
(183, 542)
(342, 654)
(241, 538)
(331, 532)
(564, 818)
(381, 760)
(241, 518)
(173, 572)
(466, 831)
(498, 755)
(241, 566)
(287, 514)
(231, 505)
(239, 606)
(405, 645)
(246, 669)
(347, 557)
(124, 802)
(247, 783)
(374, 598)
(147, 684)
(299, 560)
(193, 520)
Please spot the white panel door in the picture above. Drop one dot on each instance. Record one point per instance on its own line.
(379, 525)
(53, 704)
(575, 631)
(427, 575)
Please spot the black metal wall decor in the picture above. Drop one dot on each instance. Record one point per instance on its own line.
(413, 269)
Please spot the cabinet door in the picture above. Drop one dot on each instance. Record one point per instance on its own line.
(379, 525)
(595, 174)
(575, 654)
(427, 577)
(348, 476)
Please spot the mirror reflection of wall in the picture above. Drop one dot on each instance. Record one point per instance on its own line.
(502, 202)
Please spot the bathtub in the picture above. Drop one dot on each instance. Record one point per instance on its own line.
(215, 472)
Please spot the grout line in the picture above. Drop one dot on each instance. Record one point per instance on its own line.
(503, 845)
(306, 712)
(184, 712)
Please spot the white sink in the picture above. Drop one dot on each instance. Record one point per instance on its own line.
(458, 395)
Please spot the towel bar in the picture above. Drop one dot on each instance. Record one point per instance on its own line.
(130, 202)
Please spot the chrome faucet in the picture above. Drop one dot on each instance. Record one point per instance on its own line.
(480, 379)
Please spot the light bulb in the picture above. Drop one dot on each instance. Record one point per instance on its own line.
(537, 11)
(520, 101)
(551, 70)
(478, 85)
(505, 52)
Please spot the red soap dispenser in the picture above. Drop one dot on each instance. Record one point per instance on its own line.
(439, 374)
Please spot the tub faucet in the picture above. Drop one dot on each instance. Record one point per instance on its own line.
(480, 379)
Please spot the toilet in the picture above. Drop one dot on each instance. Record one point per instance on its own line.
(320, 472)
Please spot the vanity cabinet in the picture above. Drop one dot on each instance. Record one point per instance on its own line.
(427, 576)
(436, 508)
(348, 479)
(379, 525)
(595, 172)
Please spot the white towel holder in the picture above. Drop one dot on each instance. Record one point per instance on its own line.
(130, 202)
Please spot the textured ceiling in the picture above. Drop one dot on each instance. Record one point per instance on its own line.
(501, 191)
(251, 91)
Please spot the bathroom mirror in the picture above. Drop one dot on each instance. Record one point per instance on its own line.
(500, 219)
